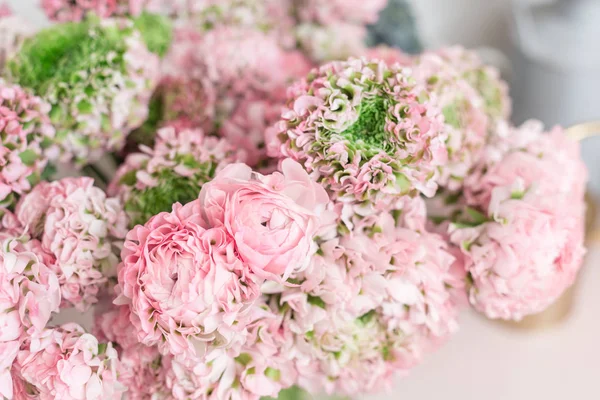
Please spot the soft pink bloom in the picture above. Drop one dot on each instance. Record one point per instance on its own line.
(29, 294)
(391, 55)
(185, 284)
(526, 247)
(24, 124)
(67, 363)
(230, 81)
(273, 219)
(362, 129)
(141, 369)
(81, 228)
(262, 367)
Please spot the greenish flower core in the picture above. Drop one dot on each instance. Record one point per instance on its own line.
(56, 56)
(369, 129)
(488, 89)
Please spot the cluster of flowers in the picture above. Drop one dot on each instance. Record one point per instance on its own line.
(274, 223)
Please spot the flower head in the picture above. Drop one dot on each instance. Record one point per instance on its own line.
(29, 294)
(26, 139)
(364, 131)
(98, 77)
(69, 10)
(230, 81)
(521, 234)
(81, 228)
(67, 363)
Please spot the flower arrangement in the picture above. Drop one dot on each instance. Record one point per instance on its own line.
(291, 210)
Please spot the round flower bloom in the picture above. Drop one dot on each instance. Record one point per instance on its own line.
(396, 307)
(273, 219)
(522, 237)
(69, 10)
(98, 78)
(261, 368)
(81, 228)
(67, 363)
(470, 105)
(29, 293)
(364, 131)
(391, 55)
(172, 172)
(26, 136)
(141, 369)
(185, 285)
(230, 81)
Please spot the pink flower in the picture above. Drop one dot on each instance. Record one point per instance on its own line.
(262, 367)
(24, 124)
(523, 243)
(185, 285)
(81, 228)
(29, 294)
(272, 219)
(69, 364)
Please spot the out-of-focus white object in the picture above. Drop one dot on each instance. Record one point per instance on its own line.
(13, 31)
(558, 60)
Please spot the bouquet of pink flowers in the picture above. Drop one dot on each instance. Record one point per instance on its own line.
(289, 210)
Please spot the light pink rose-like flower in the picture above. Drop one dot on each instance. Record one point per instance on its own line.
(363, 130)
(523, 243)
(24, 124)
(186, 286)
(377, 300)
(67, 363)
(81, 228)
(69, 10)
(29, 294)
(354, 11)
(273, 219)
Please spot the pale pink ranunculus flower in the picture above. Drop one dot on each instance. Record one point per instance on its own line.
(29, 294)
(272, 219)
(81, 228)
(67, 363)
(526, 247)
(187, 288)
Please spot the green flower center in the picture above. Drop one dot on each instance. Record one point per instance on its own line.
(488, 89)
(369, 128)
(171, 189)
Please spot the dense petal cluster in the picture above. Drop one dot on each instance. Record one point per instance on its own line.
(231, 82)
(470, 107)
(26, 142)
(174, 171)
(371, 304)
(66, 363)
(522, 237)
(191, 276)
(364, 131)
(29, 293)
(334, 29)
(98, 78)
(81, 229)
(69, 10)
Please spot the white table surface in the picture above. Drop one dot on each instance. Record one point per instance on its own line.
(486, 361)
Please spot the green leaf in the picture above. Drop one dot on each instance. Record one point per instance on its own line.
(316, 301)
(273, 374)
(28, 157)
(477, 217)
(156, 30)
